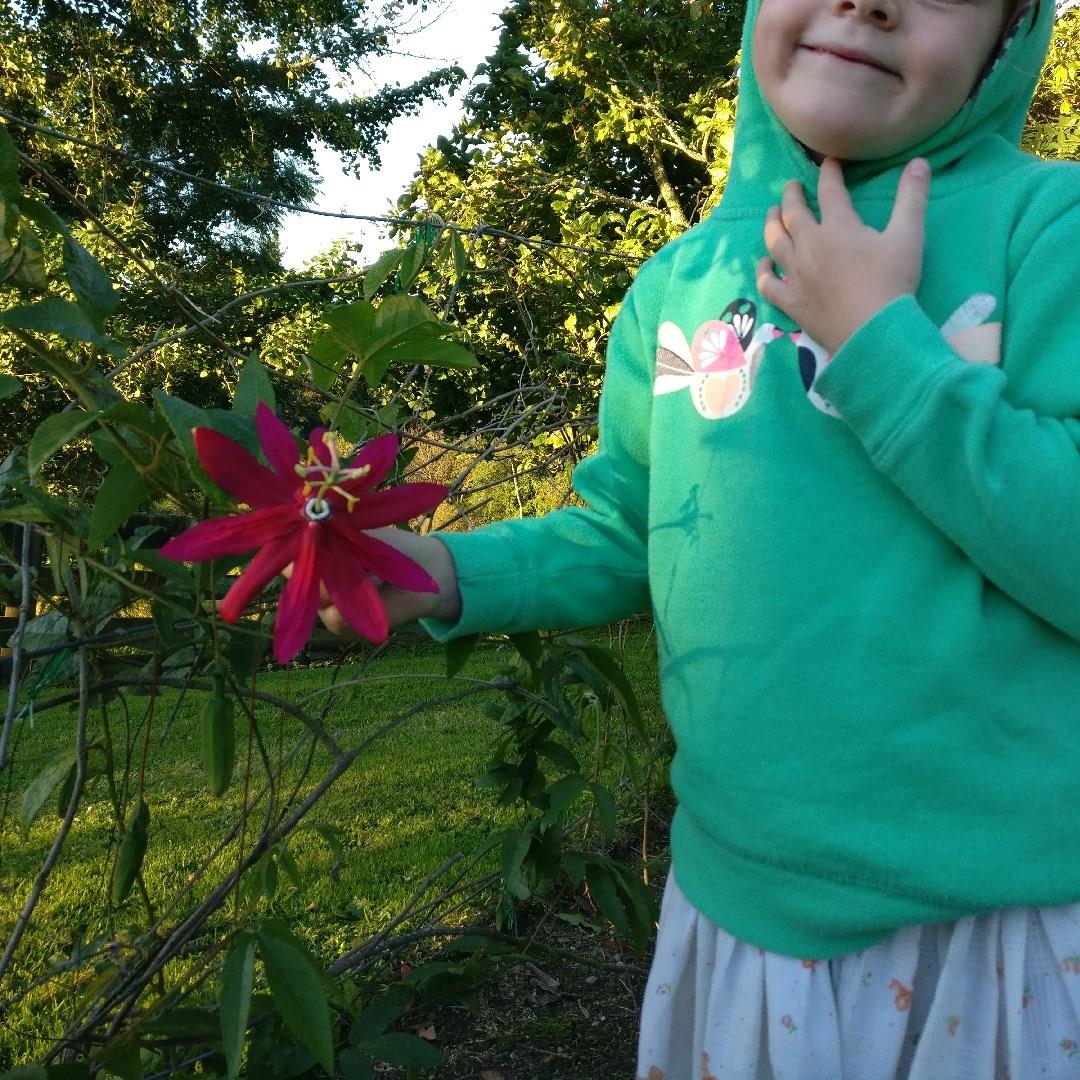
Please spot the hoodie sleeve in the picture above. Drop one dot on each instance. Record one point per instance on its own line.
(990, 455)
(579, 566)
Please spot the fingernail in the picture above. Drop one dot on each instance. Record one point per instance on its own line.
(920, 168)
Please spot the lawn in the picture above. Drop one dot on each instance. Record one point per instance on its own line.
(405, 805)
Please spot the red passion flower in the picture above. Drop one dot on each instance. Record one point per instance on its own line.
(311, 512)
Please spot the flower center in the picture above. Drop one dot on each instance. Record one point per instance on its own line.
(317, 508)
(322, 478)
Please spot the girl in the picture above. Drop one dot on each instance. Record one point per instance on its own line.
(839, 459)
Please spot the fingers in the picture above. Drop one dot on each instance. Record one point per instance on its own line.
(833, 196)
(769, 284)
(794, 212)
(778, 242)
(907, 224)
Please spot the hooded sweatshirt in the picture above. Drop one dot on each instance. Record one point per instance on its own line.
(864, 572)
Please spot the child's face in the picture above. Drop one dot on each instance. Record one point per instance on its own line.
(865, 79)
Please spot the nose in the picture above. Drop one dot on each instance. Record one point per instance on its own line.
(880, 13)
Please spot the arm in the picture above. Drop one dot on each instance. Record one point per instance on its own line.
(577, 566)
(997, 473)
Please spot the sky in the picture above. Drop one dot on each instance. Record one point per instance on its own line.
(465, 33)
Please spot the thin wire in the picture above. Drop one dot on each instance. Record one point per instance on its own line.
(301, 208)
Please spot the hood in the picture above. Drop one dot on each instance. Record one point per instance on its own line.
(765, 155)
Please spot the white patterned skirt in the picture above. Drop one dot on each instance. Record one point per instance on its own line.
(990, 997)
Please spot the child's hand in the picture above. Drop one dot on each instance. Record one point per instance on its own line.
(839, 272)
(403, 605)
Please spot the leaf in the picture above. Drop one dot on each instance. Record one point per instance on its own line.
(253, 386)
(9, 386)
(88, 281)
(376, 1017)
(325, 357)
(529, 647)
(515, 848)
(28, 270)
(122, 492)
(298, 991)
(9, 167)
(42, 787)
(609, 667)
(458, 652)
(237, 978)
(561, 795)
(53, 433)
(123, 1061)
(355, 1064)
(129, 857)
(25, 1072)
(400, 1048)
(351, 325)
(41, 215)
(55, 316)
(377, 273)
(605, 808)
(461, 258)
(606, 899)
(412, 262)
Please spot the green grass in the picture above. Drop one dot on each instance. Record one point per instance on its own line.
(405, 805)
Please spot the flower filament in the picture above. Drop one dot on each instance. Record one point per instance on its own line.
(319, 478)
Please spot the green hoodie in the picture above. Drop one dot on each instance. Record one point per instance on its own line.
(864, 573)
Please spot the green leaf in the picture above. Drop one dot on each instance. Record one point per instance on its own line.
(122, 492)
(9, 167)
(515, 848)
(351, 325)
(458, 652)
(55, 316)
(132, 850)
(461, 258)
(297, 987)
(425, 350)
(9, 386)
(604, 896)
(88, 281)
(25, 1072)
(28, 270)
(529, 647)
(237, 978)
(355, 1064)
(606, 664)
(53, 433)
(605, 808)
(325, 357)
(558, 754)
(561, 795)
(377, 273)
(412, 262)
(41, 215)
(44, 784)
(252, 387)
(400, 1048)
(376, 1017)
(124, 1061)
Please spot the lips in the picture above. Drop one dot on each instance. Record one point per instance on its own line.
(852, 56)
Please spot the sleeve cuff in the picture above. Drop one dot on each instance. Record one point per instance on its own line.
(491, 580)
(884, 374)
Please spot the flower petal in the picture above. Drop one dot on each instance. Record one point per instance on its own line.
(356, 597)
(381, 559)
(232, 468)
(299, 606)
(233, 534)
(394, 505)
(277, 444)
(269, 561)
(379, 455)
(317, 442)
